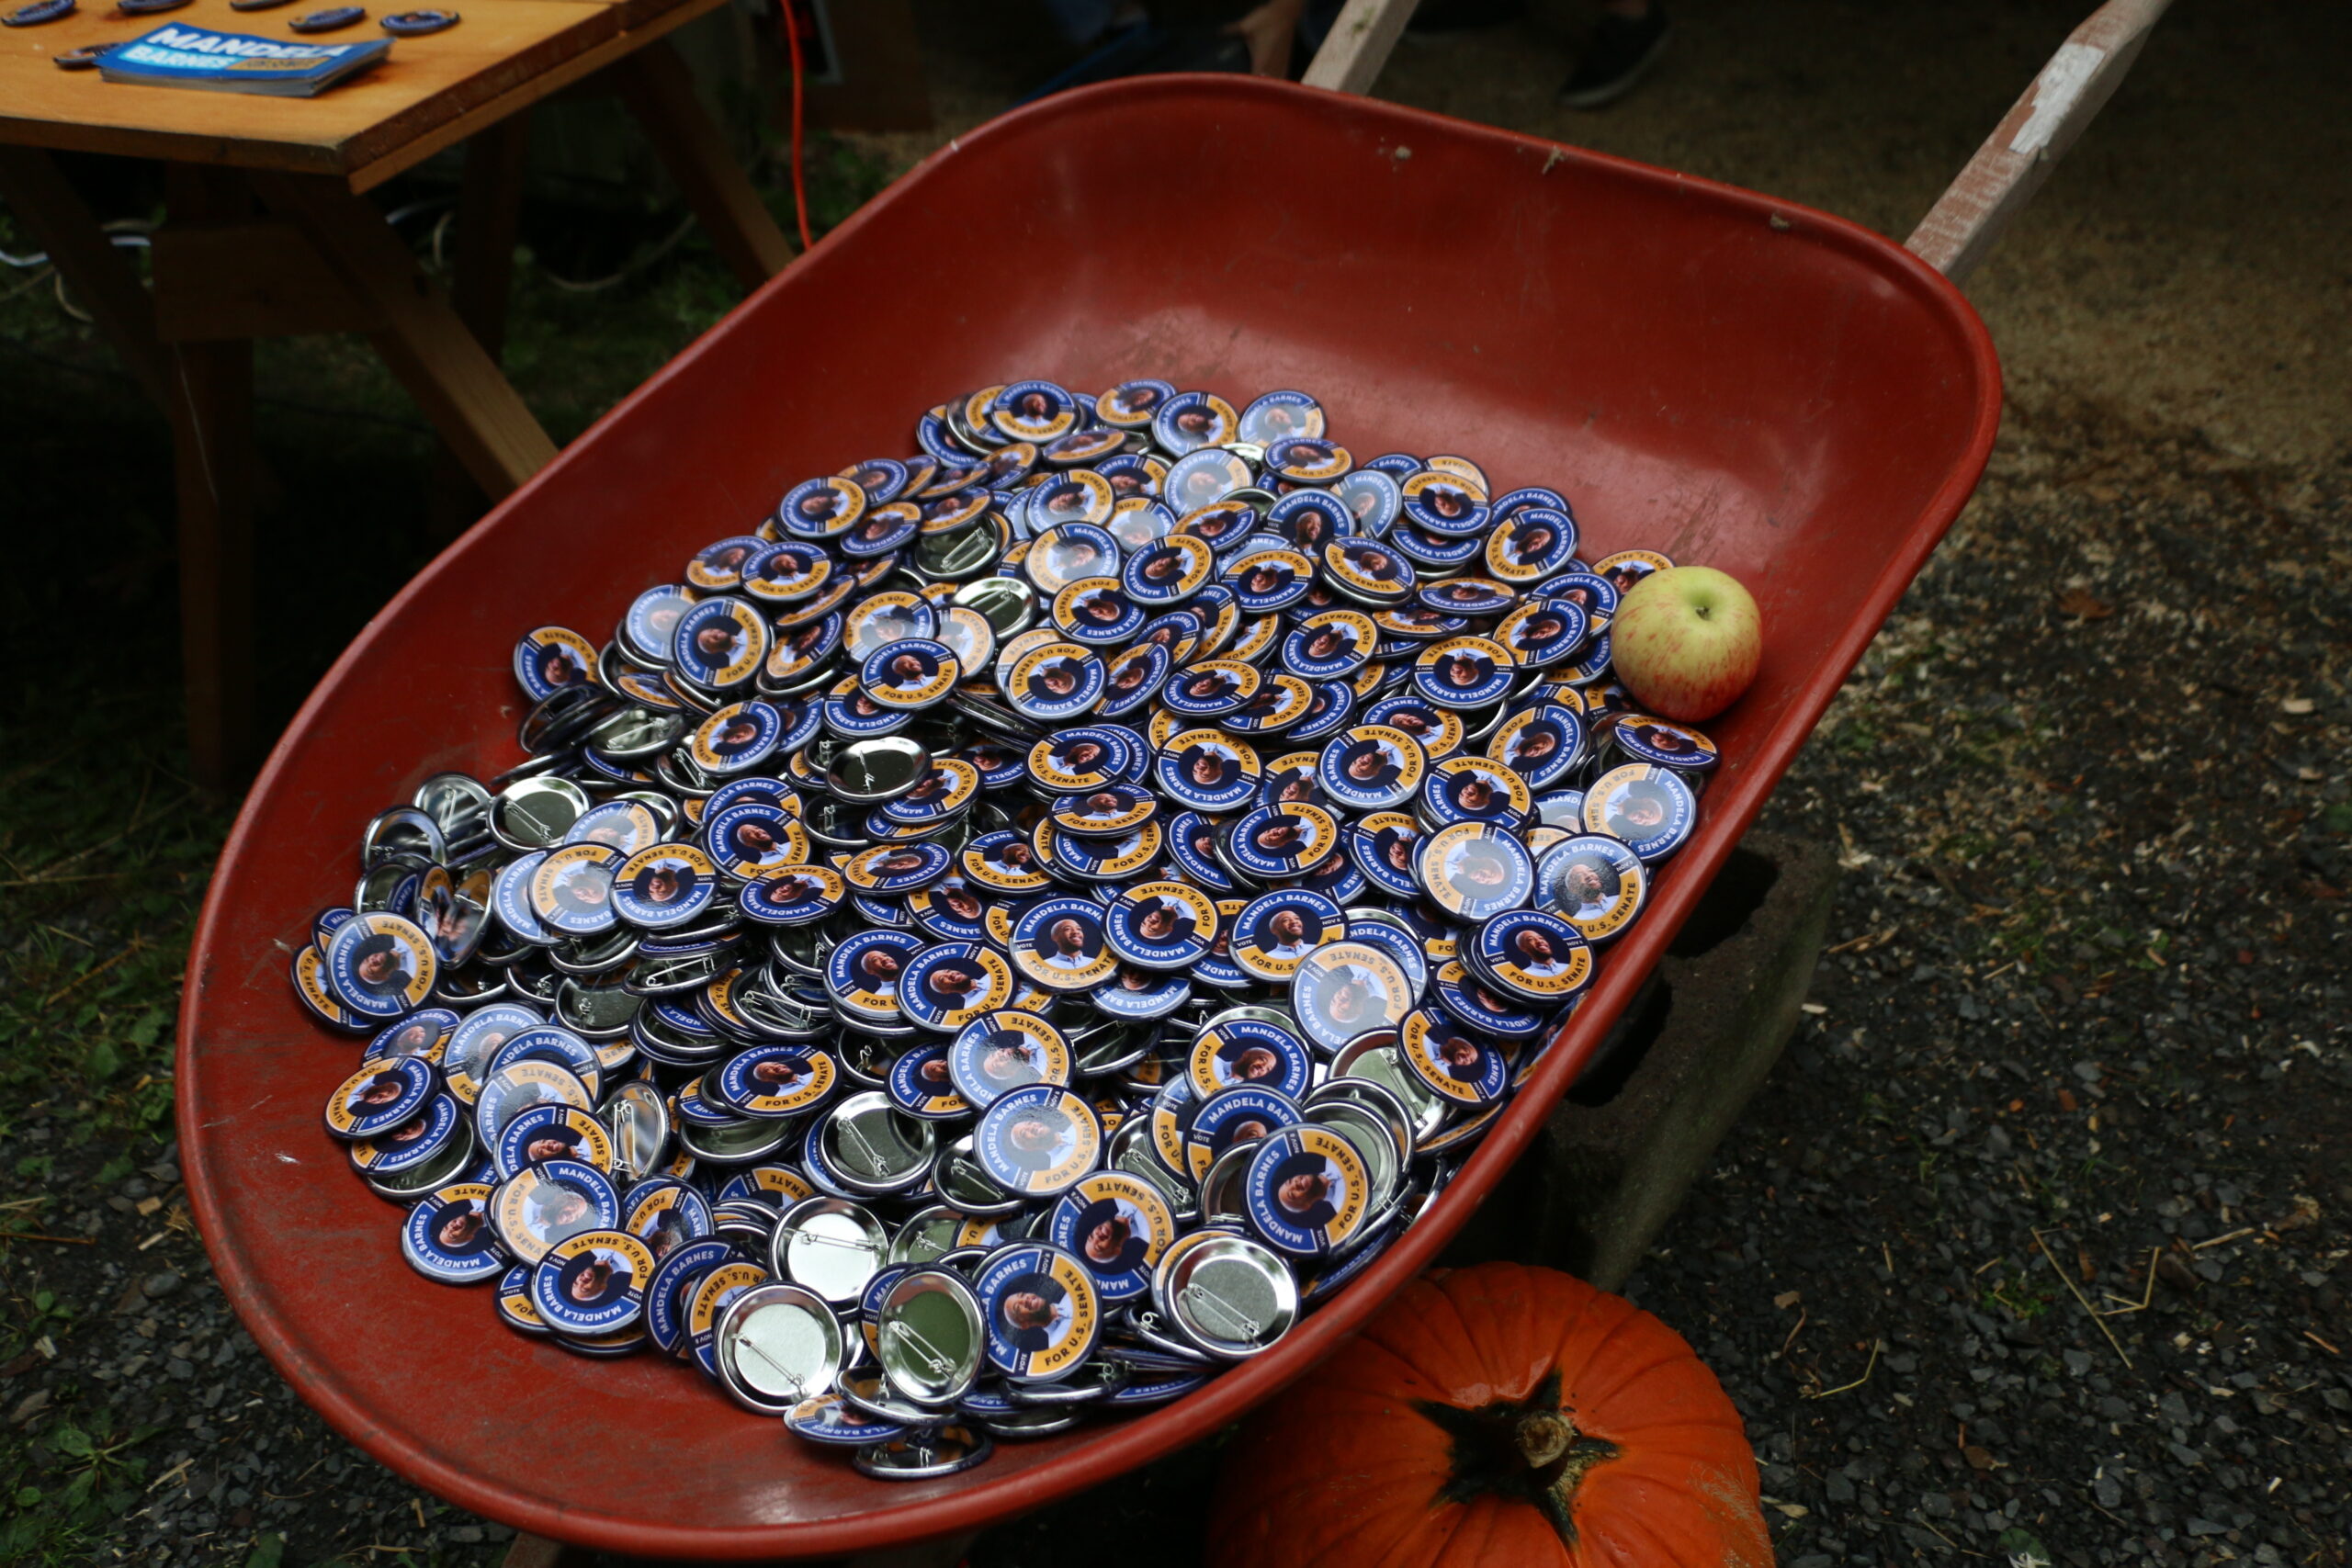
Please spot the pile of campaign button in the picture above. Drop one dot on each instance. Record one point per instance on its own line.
(996, 939)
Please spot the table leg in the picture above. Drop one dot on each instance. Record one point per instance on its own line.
(425, 343)
(490, 204)
(654, 83)
(36, 192)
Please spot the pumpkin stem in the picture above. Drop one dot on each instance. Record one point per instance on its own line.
(1544, 1436)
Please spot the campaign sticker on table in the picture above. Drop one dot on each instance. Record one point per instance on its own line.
(1130, 404)
(1282, 703)
(920, 1084)
(861, 972)
(911, 673)
(1543, 632)
(542, 1206)
(571, 893)
(1161, 925)
(1595, 882)
(1277, 841)
(1117, 1225)
(1002, 1051)
(1370, 768)
(1306, 1192)
(719, 643)
(945, 987)
(1383, 846)
(1274, 931)
(591, 1283)
(552, 658)
(1279, 415)
(1533, 955)
(1543, 744)
(821, 509)
(1041, 1309)
(1242, 1114)
(1473, 870)
(1650, 809)
(1168, 571)
(448, 1236)
(380, 1096)
(541, 1132)
(1107, 811)
(1349, 988)
(1189, 420)
(1330, 646)
(791, 895)
(1265, 581)
(894, 870)
(1643, 738)
(773, 1081)
(1095, 612)
(1066, 552)
(1003, 862)
(1464, 671)
(1059, 943)
(1471, 788)
(1242, 1047)
(379, 965)
(1531, 546)
(1444, 503)
(1451, 1059)
(1626, 568)
(1038, 1140)
(1057, 681)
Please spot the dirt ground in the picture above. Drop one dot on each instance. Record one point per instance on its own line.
(2080, 1041)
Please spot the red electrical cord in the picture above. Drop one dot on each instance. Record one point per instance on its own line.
(784, 9)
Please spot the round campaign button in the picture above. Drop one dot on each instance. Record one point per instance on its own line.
(1308, 460)
(833, 1421)
(665, 1214)
(380, 1096)
(1083, 759)
(1374, 498)
(591, 1283)
(1595, 882)
(1039, 1140)
(945, 987)
(1212, 688)
(1543, 744)
(774, 1081)
(1118, 1225)
(821, 508)
(1474, 789)
(1267, 579)
(1228, 1119)
(848, 712)
(1168, 571)
(1204, 476)
(1032, 411)
(1383, 847)
(718, 566)
(1140, 995)
(552, 658)
(1473, 870)
(791, 895)
(1650, 809)
(543, 1205)
(910, 674)
(1532, 955)
(664, 886)
(1543, 632)
(1330, 646)
(920, 1084)
(1130, 404)
(951, 912)
(1133, 678)
(572, 892)
(626, 826)
(1530, 546)
(1469, 998)
(1274, 842)
(884, 479)
(1041, 1309)
(895, 870)
(1439, 730)
(1467, 596)
(1078, 496)
(542, 1132)
(1280, 704)
(1067, 553)
(1057, 681)
(1432, 553)
(1106, 811)
(1279, 415)
(1464, 672)
(885, 529)
(1588, 592)
(1058, 944)
(1452, 1060)
(1161, 925)
(1189, 420)
(1094, 611)
(1347, 989)
(325, 21)
(1276, 929)
(1004, 862)
(861, 973)
(941, 791)
(1370, 768)
(1332, 706)
(448, 1236)
(1368, 569)
(1641, 738)
(1003, 1051)
(719, 643)
(379, 965)
(1306, 1192)
(424, 1032)
(882, 619)
(1442, 502)
(1626, 568)
(1248, 1045)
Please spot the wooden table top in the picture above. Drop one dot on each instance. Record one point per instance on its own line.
(431, 91)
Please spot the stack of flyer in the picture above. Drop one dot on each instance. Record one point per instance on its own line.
(180, 56)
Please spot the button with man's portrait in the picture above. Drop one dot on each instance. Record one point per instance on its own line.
(1192, 840)
(1346, 990)
(1543, 744)
(543, 1205)
(431, 1145)
(861, 973)
(1454, 1062)
(1306, 1192)
(1330, 646)
(910, 674)
(1101, 860)
(553, 657)
(1431, 553)
(1058, 941)
(1190, 420)
(1266, 579)
(380, 1096)
(1095, 612)
(1038, 1140)
(1275, 843)
(1278, 415)
(1140, 995)
(1531, 956)
(1473, 870)
(1054, 682)
(1446, 504)
(448, 1236)
(1531, 546)
(1251, 1047)
(791, 895)
(1383, 847)
(1638, 738)
(1651, 809)
(719, 643)
(1161, 925)
(821, 508)
(1469, 997)
(1130, 404)
(1464, 672)
(1168, 571)
(379, 965)
(946, 987)
(1118, 1225)
(1471, 788)
(1595, 882)
(1626, 568)
(1370, 768)
(542, 1132)
(1543, 632)
(1105, 811)
(919, 1085)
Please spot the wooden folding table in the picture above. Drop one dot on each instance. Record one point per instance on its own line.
(270, 232)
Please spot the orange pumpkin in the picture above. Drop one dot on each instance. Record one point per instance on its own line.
(1499, 1416)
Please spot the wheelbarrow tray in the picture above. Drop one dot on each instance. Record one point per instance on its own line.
(1701, 370)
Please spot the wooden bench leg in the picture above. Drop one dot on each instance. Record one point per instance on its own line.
(458, 385)
(654, 83)
(490, 205)
(35, 191)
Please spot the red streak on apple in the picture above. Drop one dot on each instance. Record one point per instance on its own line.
(1687, 641)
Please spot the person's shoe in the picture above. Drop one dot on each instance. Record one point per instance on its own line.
(1622, 51)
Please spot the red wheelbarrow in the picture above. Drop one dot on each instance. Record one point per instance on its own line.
(1705, 371)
